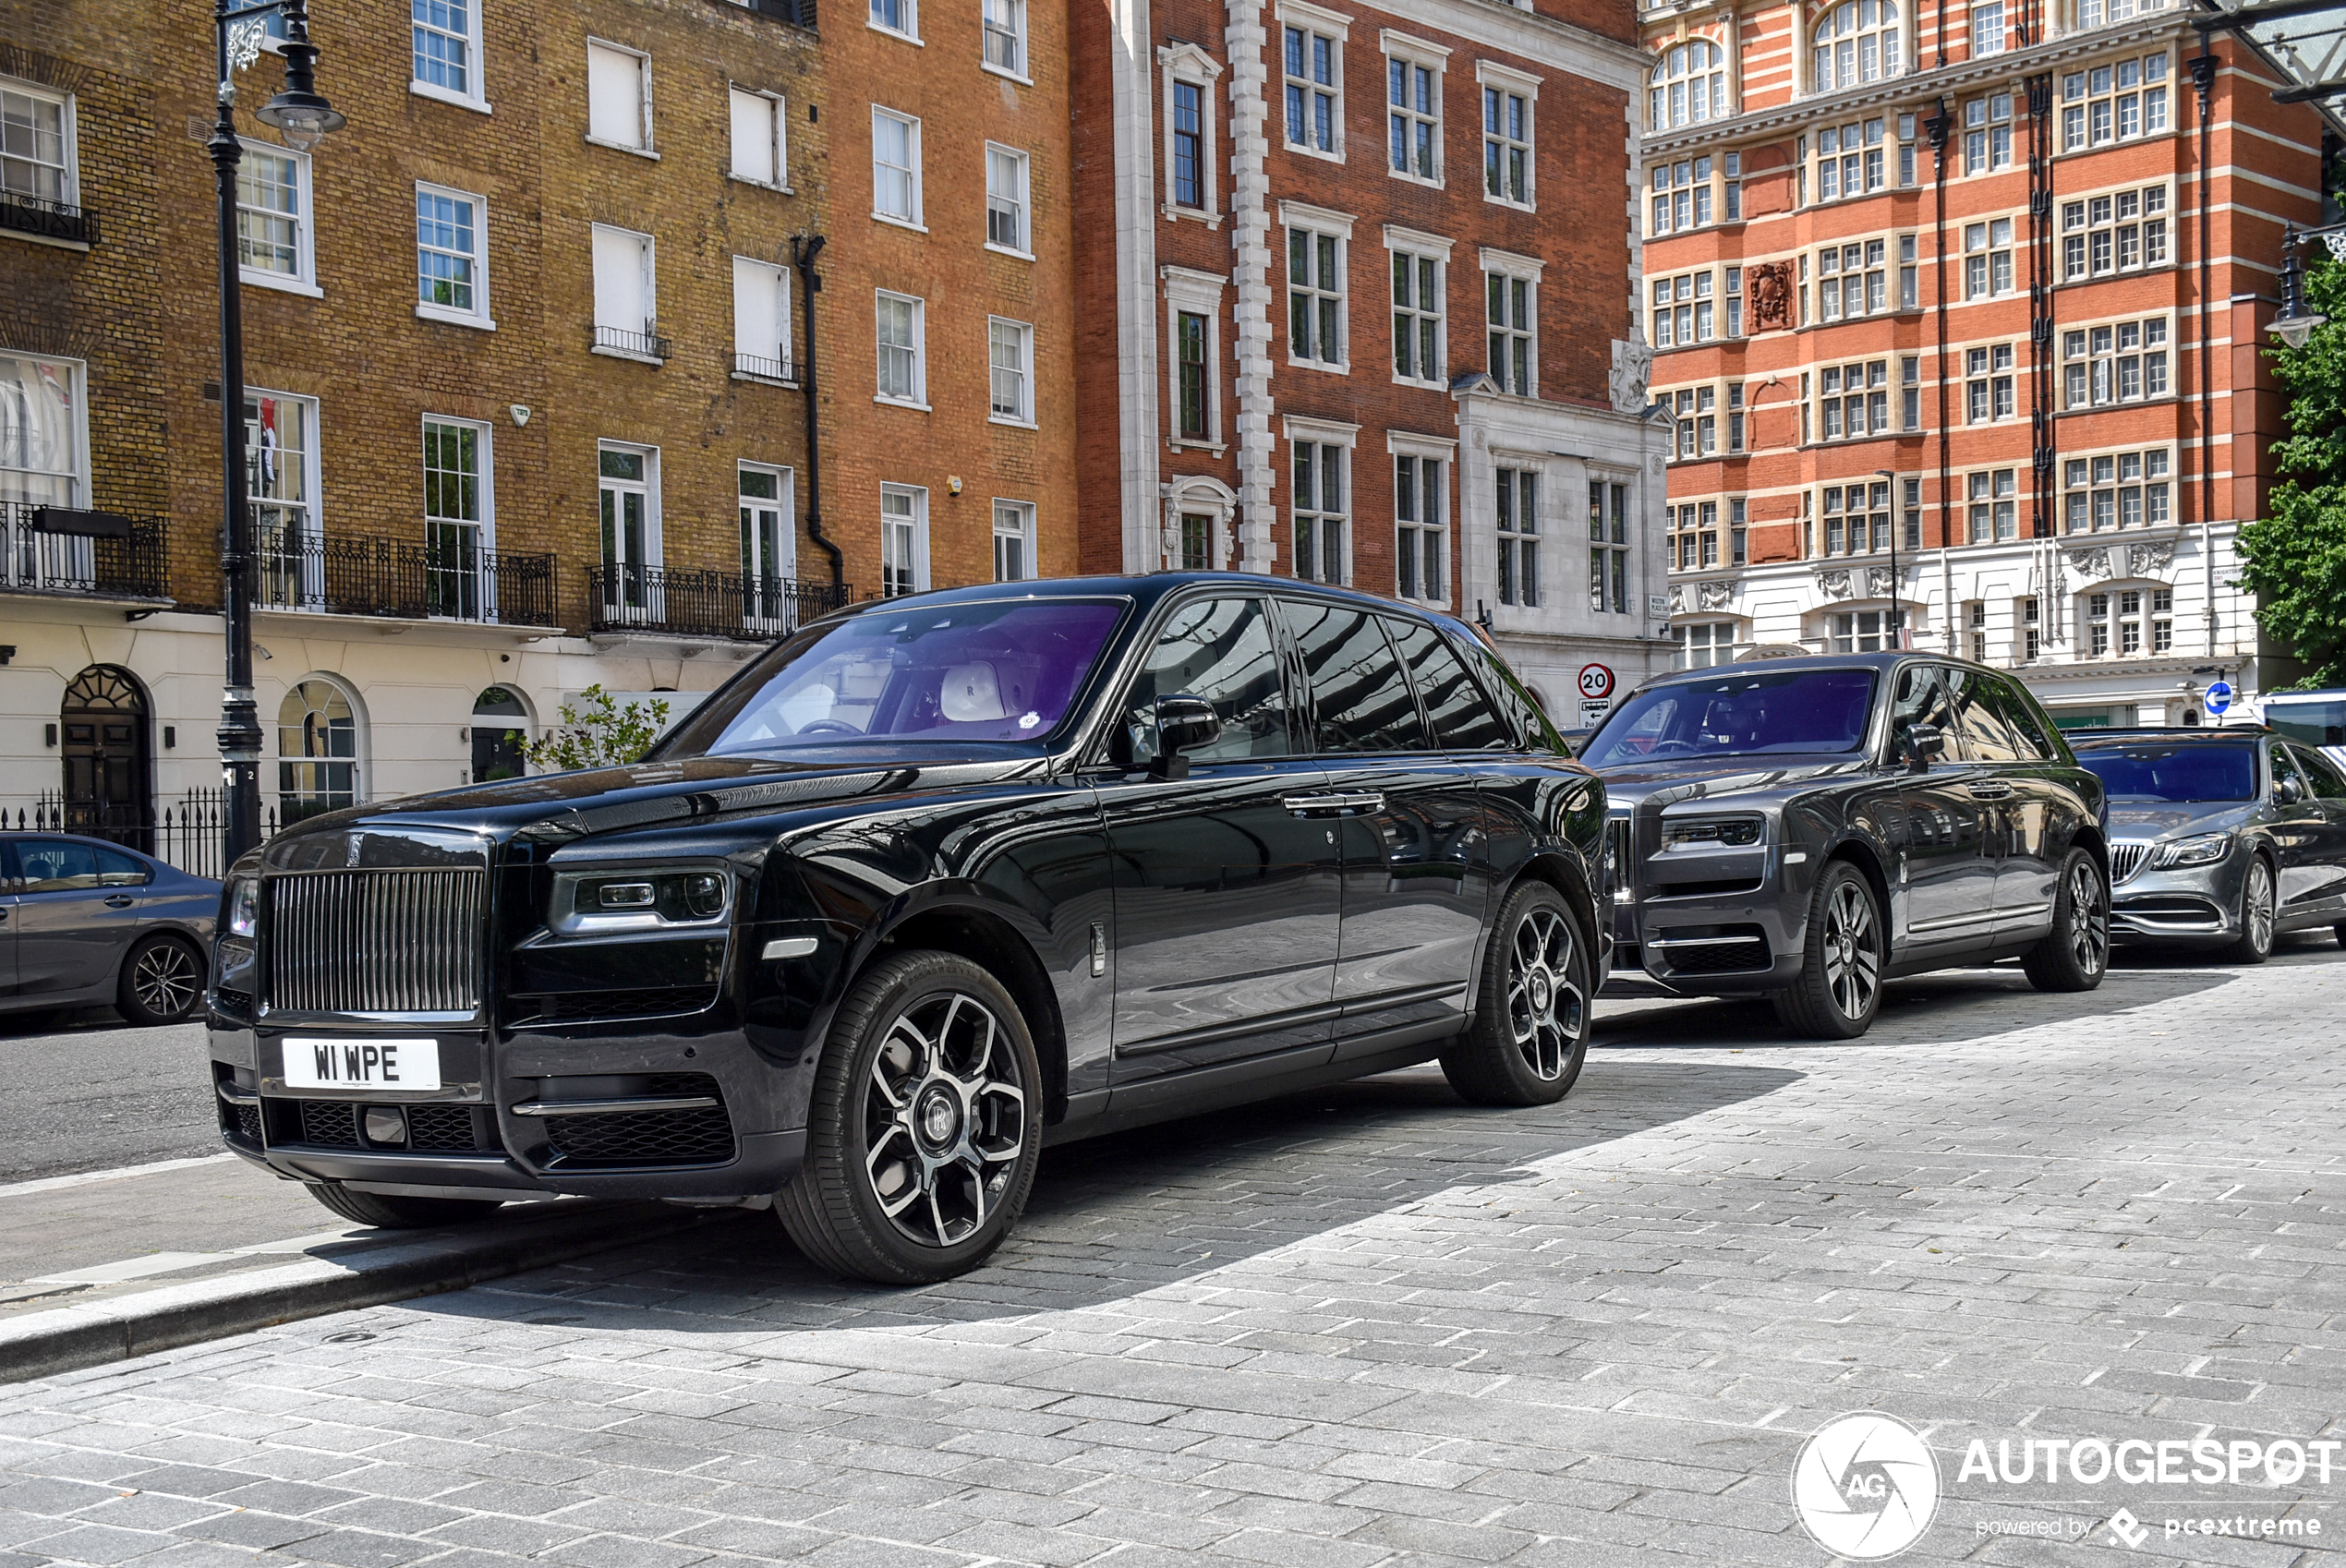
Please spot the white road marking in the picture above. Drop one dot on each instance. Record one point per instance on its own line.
(120, 1173)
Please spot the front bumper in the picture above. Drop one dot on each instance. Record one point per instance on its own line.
(2196, 904)
(1711, 923)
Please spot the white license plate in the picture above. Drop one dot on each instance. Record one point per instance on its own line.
(361, 1063)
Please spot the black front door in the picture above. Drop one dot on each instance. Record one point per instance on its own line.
(1227, 886)
(103, 734)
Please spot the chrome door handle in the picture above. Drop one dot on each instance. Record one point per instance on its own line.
(120, 902)
(1335, 801)
(1992, 789)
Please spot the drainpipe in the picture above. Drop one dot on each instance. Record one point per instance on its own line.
(2202, 81)
(803, 248)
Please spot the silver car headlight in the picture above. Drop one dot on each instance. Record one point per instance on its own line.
(2205, 849)
(244, 906)
(650, 899)
(1712, 833)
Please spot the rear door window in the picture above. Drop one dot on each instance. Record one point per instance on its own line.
(1455, 703)
(2322, 773)
(119, 870)
(56, 865)
(1363, 701)
(2019, 717)
(1219, 649)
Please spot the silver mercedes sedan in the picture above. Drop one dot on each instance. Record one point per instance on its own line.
(2221, 838)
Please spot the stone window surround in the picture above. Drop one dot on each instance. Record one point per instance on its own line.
(1489, 74)
(1435, 58)
(1334, 25)
(1321, 220)
(1185, 62)
(1196, 292)
(1420, 242)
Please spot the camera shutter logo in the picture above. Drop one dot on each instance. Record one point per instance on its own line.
(1866, 1487)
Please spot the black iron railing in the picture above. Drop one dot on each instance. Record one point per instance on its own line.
(58, 549)
(765, 369)
(649, 344)
(703, 604)
(20, 214)
(401, 579)
(184, 832)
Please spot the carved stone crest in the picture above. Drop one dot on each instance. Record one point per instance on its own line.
(1878, 585)
(1715, 595)
(1833, 583)
(2090, 562)
(2154, 556)
(1770, 285)
(1632, 371)
(1677, 598)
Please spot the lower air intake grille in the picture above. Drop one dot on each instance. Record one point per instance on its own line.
(442, 1126)
(2126, 859)
(241, 1121)
(1721, 950)
(648, 1138)
(330, 1122)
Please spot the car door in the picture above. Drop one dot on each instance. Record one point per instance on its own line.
(1946, 872)
(71, 931)
(2030, 818)
(1406, 817)
(2295, 828)
(7, 918)
(1227, 890)
(2327, 856)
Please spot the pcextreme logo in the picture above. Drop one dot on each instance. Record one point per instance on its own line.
(1866, 1486)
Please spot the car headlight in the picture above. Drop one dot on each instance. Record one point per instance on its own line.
(2205, 849)
(1708, 833)
(244, 906)
(654, 898)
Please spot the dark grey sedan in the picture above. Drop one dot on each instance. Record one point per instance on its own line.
(2220, 837)
(84, 921)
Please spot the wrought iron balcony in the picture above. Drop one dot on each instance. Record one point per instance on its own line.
(645, 346)
(660, 601)
(47, 219)
(399, 579)
(56, 549)
(758, 368)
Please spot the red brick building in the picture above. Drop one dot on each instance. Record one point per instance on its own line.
(1371, 316)
(1987, 280)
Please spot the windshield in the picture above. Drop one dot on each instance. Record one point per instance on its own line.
(2318, 721)
(991, 670)
(1741, 714)
(2155, 772)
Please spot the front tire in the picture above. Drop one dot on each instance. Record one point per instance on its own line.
(387, 1210)
(162, 982)
(2254, 943)
(1839, 990)
(924, 1127)
(2074, 955)
(1530, 1034)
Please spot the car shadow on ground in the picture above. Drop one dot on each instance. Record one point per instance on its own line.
(1116, 1217)
(82, 1020)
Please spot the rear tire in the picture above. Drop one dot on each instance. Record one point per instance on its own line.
(2254, 943)
(387, 1210)
(1843, 956)
(924, 1127)
(2074, 955)
(162, 982)
(1530, 1033)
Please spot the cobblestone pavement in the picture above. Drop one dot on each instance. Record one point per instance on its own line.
(1367, 1326)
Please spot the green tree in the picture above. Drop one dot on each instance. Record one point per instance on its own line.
(597, 732)
(2294, 560)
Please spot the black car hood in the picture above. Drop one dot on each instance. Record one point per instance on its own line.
(555, 808)
(1682, 778)
(2162, 819)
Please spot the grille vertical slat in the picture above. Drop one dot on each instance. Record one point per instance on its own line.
(2126, 859)
(402, 941)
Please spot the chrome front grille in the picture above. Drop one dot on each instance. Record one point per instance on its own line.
(1620, 864)
(402, 942)
(2126, 859)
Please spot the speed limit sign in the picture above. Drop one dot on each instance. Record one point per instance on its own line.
(1596, 681)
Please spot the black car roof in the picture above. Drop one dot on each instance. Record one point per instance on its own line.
(1145, 588)
(2117, 734)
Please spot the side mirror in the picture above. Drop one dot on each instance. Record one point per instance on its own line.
(2288, 791)
(1924, 743)
(1184, 723)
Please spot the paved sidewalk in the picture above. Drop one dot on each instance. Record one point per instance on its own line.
(1367, 1327)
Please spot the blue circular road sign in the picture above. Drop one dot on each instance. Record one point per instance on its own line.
(2219, 696)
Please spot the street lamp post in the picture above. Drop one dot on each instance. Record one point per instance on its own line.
(301, 116)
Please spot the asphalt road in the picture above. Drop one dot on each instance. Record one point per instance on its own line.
(89, 1094)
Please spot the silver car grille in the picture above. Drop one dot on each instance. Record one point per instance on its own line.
(400, 942)
(2126, 859)
(1620, 865)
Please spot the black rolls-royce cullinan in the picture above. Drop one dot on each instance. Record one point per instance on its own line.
(925, 887)
(1807, 829)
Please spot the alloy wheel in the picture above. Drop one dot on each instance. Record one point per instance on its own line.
(1853, 951)
(2088, 918)
(1546, 1008)
(2259, 902)
(164, 979)
(945, 1119)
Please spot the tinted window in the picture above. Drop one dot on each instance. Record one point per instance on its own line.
(1986, 735)
(2322, 772)
(1920, 699)
(119, 870)
(1745, 713)
(1461, 714)
(2316, 722)
(2020, 718)
(56, 865)
(2284, 767)
(2153, 770)
(1363, 699)
(1220, 649)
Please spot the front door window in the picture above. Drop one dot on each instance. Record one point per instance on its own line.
(627, 506)
(768, 553)
(454, 574)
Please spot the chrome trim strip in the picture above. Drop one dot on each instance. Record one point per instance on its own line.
(615, 1107)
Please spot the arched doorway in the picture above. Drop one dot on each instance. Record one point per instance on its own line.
(500, 723)
(108, 785)
(316, 750)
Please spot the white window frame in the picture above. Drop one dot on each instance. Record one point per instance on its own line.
(1415, 54)
(648, 249)
(304, 279)
(1022, 512)
(1490, 78)
(918, 494)
(912, 124)
(1187, 63)
(910, 32)
(1024, 199)
(1024, 417)
(1192, 292)
(1679, 67)
(310, 567)
(1418, 243)
(1338, 30)
(69, 170)
(919, 399)
(1525, 269)
(777, 108)
(654, 554)
(1444, 451)
(77, 434)
(784, 501)
(478, 315)
(476, 97)
(1890, 64)
(1296, 430)
(643, 148)
(1023, 74)
(754, 272)
(1296, 215)
(486, 434)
